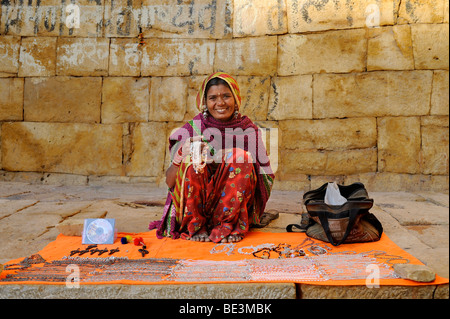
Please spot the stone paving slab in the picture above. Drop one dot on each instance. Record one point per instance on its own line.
(362, 292)
(417, 222)
(203, 291)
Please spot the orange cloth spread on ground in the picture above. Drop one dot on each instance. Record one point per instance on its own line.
(209, 253)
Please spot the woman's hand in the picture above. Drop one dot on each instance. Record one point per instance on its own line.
(182, 152)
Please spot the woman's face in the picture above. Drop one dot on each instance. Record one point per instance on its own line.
(220, 102)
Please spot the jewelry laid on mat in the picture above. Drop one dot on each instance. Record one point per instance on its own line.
(87, 260)
(96, 250)
(84, 251)
(228, 248)
(249, 250)
(292, 270)
(34, 259)
(317, 250)
(273, 262)
(112, 251)
(26, 262)
(92, 249)
(269, 250)
(100, 269)
(143, 251)
(387, 258)
(283, 251)
(348, 266)
(49, 272)
(331, 266)
(210, 271)
(147, 270)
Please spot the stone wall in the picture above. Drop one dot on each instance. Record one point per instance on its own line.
(347, 90)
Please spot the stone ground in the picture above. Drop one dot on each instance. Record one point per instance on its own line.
(30, 214)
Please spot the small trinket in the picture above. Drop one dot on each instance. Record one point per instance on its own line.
(33, 259)
(102, 251)
(226, 247)
(73, 252)
(317, 250)
(143, 251)
(82, 252)
(126, 239)
(112, 251)
(138, 241)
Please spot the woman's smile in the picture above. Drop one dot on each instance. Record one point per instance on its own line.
(221, 110)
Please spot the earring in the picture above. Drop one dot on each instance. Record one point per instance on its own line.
(236, 112)
(205, 112)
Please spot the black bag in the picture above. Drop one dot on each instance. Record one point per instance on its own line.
(347, 223)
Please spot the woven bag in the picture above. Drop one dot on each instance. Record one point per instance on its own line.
(347, 223)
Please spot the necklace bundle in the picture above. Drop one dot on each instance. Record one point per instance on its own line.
(198, 156)
(26, 262)
(348, 266)
(283, 251)
(210, 271)
(146, 270)
(292, 270)
(99, 269)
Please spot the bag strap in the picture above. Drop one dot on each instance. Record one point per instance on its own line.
(289, 227)
(353, 213)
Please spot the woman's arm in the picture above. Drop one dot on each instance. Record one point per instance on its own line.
(171, 174)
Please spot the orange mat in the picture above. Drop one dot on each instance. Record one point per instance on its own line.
(385, 252)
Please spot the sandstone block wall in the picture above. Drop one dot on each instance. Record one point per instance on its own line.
(345, 90)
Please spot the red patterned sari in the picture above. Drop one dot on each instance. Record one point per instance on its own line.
(218, 200)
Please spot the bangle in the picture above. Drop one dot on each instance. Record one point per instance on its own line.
(178, 158)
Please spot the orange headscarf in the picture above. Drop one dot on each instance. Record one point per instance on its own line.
(232, 83)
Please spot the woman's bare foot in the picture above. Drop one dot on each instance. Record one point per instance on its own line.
(203, 236)
(231, 239)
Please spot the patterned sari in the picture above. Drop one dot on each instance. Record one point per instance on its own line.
(232, 191)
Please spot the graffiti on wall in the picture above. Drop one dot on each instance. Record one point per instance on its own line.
(121, 18)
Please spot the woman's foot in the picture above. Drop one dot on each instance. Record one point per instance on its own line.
(231, 239)
(203, 236)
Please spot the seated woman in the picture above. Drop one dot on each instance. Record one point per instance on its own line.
(217, 197)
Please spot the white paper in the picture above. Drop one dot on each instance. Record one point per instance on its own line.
(333, 195)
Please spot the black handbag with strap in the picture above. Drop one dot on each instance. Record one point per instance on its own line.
(348, 223)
